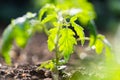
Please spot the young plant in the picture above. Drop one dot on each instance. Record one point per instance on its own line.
(64, 25)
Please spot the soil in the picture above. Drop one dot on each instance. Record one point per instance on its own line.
(24, 72)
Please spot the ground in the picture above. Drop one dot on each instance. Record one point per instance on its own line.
(24, 72)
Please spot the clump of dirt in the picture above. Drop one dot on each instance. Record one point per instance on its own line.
(24, 72)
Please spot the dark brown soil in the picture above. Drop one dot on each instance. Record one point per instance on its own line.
(24, 72)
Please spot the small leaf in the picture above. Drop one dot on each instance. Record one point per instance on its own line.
(47, 64)
(93, 33)
(47, 7)
(108, 50)
(66, 42)
(108, 53)
(20, 37)
(22, 33)
(101, 43)
(41, 13)
(18, 30)
(99, 46)
(78, 29)
(48, 18)
(52, 38)
(7, 39)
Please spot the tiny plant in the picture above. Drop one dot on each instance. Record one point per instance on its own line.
(64, 24)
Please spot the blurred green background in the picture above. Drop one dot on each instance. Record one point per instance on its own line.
(108, 12)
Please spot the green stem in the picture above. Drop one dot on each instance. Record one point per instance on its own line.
(45, 30)
(57, 56)
(85, 38)
(56, 77)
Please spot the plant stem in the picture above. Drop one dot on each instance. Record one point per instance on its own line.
(56, 62)
(85, 38)
(56, 77)
(57, 56)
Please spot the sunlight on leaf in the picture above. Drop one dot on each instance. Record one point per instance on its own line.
(51, 38)
(46, 8)
(66, 42)
(48, 18)
(99, 46)
(78, 29)
(47, 65)
(73, 11)
(102, 43)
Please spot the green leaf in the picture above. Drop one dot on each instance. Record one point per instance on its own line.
(102, 43)
(66, 42)
(20, 37)
(99, 46)
(52, 38)
(93, 33)
(23, 30)
(18, 30)
(46, 8)
(7, 39)
(108, 49)
(47, 64)
(48, 18)
(41, 13)
(108, 53)
(78, 29)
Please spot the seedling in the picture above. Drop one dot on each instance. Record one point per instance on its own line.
(64, 27)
